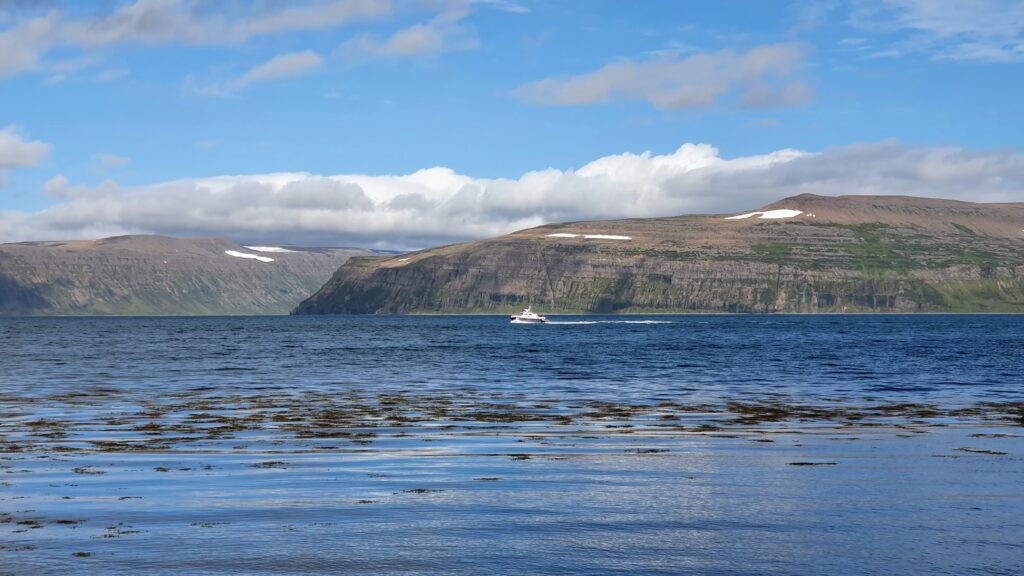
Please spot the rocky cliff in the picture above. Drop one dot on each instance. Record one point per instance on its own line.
(156, 275)
(803, 254)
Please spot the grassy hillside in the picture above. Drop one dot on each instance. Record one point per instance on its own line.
(833, 254)
(155, 275)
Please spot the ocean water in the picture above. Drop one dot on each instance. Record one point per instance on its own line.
(467, 445)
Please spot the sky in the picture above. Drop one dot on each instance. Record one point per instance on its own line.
(410, 123)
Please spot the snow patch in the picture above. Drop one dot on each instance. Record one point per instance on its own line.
(743, 216)
(769, 215)
(773, 214)
(237, 254)
(268, 249)
(590, 236)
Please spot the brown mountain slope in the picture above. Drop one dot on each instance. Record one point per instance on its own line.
(158, 275)
(807, 254)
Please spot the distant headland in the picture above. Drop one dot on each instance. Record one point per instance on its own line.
(804, 254)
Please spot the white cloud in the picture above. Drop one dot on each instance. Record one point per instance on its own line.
(174, 22)
(444, 33)
(282, 66)
(111, 75)
(762, 76)
(958, 18)
(186, 22)
(504, 5)
(22, 46)
(56, 187)
(437, 205)
(30, 38)
(16, 152)
(105, 160)
(974, 30)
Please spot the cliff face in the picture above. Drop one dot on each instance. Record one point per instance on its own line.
(155, 275)
(803, 254)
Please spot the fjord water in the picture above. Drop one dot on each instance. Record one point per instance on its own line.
(466, 445)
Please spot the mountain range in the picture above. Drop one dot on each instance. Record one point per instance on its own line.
(803, 254)
(159, 275)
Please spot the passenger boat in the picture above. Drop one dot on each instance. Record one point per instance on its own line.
(528, 316)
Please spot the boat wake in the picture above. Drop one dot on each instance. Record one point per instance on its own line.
(586, 322)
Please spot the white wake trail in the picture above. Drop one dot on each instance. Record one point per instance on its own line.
(587, 322)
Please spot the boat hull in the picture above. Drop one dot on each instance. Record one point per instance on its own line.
(528, 316)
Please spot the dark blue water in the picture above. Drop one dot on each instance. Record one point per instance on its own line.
(466, 445)
(954, 359)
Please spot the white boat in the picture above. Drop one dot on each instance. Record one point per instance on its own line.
(528, 316)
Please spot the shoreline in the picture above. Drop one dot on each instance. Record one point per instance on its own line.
(499, 314)
(315, 494)
(99, 422)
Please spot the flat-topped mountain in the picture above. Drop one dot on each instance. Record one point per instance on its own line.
(158, 275)
(807, 253)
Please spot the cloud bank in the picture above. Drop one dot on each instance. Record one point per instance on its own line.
(437, 205)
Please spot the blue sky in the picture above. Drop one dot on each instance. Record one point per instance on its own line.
(127, 102)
